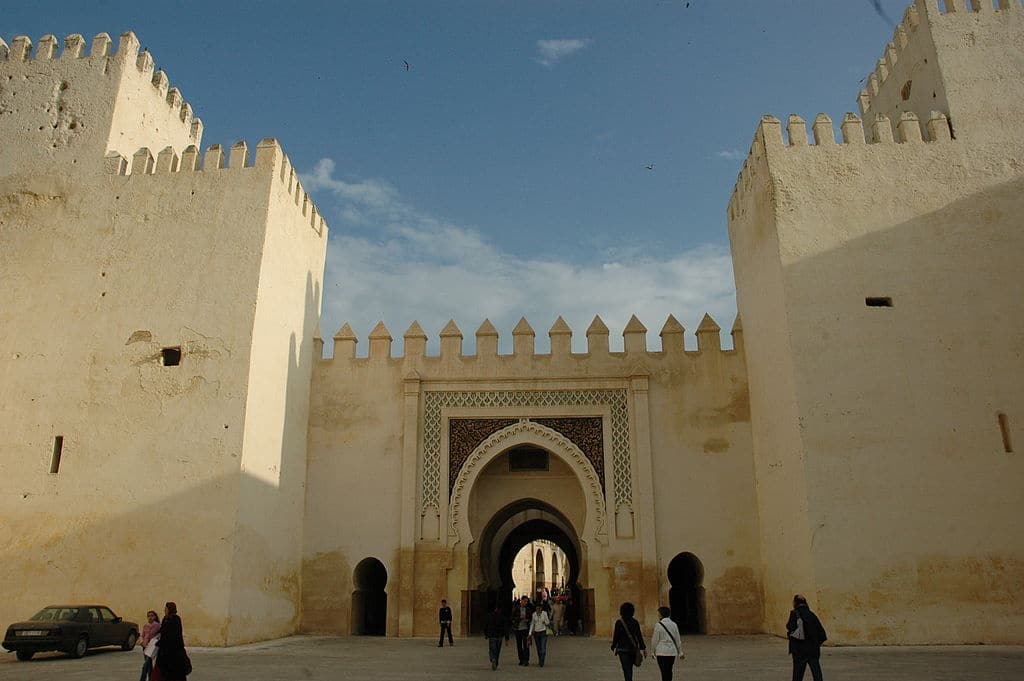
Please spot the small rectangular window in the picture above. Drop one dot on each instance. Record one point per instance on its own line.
(1004, 429)
(58, 449)
(878, 302)
(170, 357)
(523, 459)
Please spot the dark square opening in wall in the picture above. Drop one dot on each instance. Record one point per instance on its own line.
(878, 302)
(170, 357)
(528, 459)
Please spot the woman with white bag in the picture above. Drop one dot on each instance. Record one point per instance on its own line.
(150, 637)
(666, 643)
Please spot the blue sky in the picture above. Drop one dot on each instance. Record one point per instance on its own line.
(505, 172)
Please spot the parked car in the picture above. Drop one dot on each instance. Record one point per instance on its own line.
(72, 629)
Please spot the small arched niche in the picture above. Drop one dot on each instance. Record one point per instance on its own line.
(369, 600)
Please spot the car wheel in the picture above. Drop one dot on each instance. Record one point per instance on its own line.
(80, 647)
(25, 655)
(129, 642)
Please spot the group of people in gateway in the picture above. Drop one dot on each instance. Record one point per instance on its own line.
(164, 657)
(531, 624)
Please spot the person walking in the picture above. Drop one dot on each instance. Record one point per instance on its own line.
(444, 616)
(571, 614)
(539, 624)
(150, 637)
(628, 641)
(522, 615)
(171, 658)
(558, 615)
(805, 634)
(666, 643)
(495, 629)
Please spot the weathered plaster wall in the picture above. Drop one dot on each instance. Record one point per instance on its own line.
(268, 549)
(697, 414)
(704, 483)
(953, 62)
(778, 450)
(897, 406)
(102, 274)
(68, 102)
(108, 263)
(353, 486)
(943, 256)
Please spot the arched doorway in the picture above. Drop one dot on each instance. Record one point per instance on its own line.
(512, 528)
(686, 593)
(369, 600)
(499, 505)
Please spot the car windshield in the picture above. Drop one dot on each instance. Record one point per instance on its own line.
(57, 614)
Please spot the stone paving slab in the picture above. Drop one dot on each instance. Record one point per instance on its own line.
(708, 658)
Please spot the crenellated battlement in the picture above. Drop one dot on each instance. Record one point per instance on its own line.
(911, 75)
(268, 156)
(634, 335)
(880, 133)
(22, 55)
(907, 31)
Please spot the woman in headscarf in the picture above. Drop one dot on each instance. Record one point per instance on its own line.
(171, 658)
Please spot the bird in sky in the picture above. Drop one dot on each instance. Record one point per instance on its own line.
(407, 65)
(877, 4)
(650, 167)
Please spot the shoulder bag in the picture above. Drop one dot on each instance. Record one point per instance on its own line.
(679, 651)
(798, 633)
(638, 655)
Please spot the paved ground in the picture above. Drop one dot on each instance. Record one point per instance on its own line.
(715, 658)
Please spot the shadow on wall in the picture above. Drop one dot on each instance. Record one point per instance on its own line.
(134, 555)
(901, 405)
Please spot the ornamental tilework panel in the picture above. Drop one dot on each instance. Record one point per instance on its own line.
(465, 435)
(587, 434)
(434, 402)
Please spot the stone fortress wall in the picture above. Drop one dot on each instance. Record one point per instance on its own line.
(678, 476)
(173, 431)
(173, 482)
(875, 279)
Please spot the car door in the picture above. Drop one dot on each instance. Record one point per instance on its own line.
(99, 631)
(115, 631)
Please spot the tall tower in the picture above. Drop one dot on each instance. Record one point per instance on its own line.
(158, 340)
(876, 279)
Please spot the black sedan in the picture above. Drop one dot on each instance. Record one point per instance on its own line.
(72, 629)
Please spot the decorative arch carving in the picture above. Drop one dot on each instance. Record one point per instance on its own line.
(528, 433)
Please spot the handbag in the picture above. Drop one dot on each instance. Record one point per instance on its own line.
(638, 655)
(188, 665)
(798, 633)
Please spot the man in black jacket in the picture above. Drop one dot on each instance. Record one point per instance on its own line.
(805, 638)
(495, 629)
(522, 612)
(444, 616)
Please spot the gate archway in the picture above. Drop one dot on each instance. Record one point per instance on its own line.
(686, 593)
(369, 600)
(484, 536)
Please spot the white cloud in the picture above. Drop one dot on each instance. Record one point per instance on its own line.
(731, 154)
(421, 268)
(550, 52)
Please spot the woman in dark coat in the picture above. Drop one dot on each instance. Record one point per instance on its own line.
(627, 639)
(806, 634)
(171, 657)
